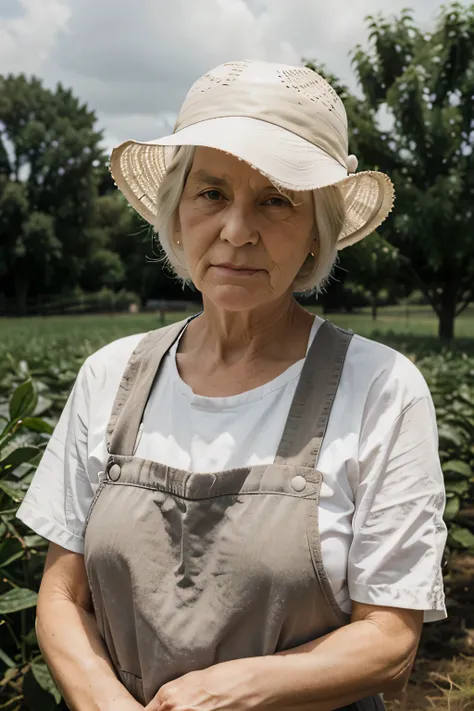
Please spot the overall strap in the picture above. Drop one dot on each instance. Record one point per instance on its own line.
(135, 387)
(311, 407)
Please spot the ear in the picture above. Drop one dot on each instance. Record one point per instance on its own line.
(314, 244)
(177, 232)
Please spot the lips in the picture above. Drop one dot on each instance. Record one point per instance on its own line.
(238, 267)
(236, 271)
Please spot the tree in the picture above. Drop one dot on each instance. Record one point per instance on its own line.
(424, 85)
(35, 248)
(49, 169)
(373, 264)
(133, 239)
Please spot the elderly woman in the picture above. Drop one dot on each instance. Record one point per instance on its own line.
(245, 509)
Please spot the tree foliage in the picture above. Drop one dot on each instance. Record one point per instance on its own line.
(51, 163)
(422, 84)
(64, 227)
(373, 265)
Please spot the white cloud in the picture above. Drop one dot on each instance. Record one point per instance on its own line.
(27, 36)
(134, 61)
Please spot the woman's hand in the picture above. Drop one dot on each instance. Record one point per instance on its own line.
(233, 685)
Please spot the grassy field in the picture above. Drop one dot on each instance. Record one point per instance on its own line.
(404, 328)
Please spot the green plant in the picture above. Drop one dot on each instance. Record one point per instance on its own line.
(25, 679)
(451, 382)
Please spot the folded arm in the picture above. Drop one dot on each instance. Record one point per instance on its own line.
(70, 640)
(374, 654)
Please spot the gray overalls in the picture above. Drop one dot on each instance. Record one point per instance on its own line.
(190, 569)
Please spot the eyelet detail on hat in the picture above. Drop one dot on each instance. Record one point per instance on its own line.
(312, 85)
(223, 75)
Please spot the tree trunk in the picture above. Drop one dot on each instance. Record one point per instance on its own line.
(22, 285)
(447, 314)
(374, 309)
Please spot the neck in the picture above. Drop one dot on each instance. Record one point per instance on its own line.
(229, 334)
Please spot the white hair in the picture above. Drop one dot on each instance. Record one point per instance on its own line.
(329, 218)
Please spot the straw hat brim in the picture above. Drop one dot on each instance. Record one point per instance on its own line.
(138, 169)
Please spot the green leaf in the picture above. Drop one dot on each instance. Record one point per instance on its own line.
(467, 399)
(36, 460)
(19, 456)
(14, 492)
(7, 435)
(463, 424)
(459, 467)
(35, 541)
(23, 401)
(30, 638)
(459, 487)
(452, 508)
(36, 424)
(45, 680)
(16, 600)
(450, 434)
(9, 515)
(42, 406)
(12, 558)
(36, 698)
(7, 660)
(463, 536)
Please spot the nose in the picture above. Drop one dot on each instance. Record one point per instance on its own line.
(239, 226)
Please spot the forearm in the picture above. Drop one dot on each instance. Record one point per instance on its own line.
(78, 660)
(353, 662)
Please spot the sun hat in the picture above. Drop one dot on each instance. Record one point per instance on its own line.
(285, 121)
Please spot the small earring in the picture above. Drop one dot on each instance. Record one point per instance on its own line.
(178, 242)
(312, 254)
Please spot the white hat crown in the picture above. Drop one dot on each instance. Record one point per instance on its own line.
(295, 98)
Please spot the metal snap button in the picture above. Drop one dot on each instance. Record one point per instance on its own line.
(298, 483)
(114, 472)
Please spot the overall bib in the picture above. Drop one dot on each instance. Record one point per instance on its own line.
(190, 569)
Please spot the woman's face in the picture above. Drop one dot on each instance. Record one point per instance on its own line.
(243, 241)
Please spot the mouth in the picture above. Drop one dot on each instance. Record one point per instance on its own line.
(236, 269)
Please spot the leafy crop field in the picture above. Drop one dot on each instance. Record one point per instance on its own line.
(39, 359)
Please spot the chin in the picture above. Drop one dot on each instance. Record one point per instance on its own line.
(231, 297)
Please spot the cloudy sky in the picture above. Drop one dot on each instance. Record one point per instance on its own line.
(133, 60)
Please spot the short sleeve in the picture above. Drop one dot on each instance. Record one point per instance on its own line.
(395, 559)
(60, 494)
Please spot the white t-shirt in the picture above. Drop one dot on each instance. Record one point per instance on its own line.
(382, 497)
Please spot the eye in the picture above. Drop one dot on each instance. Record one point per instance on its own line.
(277, 201)
(212, 195)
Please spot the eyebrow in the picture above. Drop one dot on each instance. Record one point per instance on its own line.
(203, 176)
